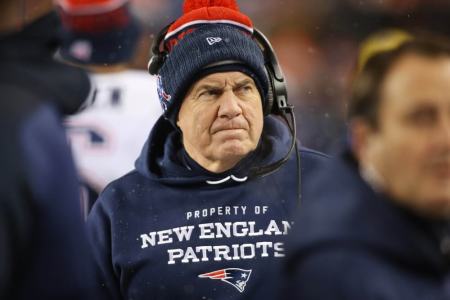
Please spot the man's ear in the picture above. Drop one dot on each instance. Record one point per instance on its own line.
(178, 128)
(360, 133)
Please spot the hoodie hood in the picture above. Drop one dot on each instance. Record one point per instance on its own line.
(164, 159)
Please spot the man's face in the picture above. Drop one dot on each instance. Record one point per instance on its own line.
(410, 150)
(221, 120)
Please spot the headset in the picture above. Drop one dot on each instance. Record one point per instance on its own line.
(276, 102)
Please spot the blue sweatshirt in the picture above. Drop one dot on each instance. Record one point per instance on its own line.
(44, 251)
(352, 243)
(172, 230)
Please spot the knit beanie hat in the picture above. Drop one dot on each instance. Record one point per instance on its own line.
(211, 36)
(97, 31)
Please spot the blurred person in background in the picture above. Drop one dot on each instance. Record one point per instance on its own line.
(106, 138)
(380, 228)
(43, 248)
(205, 213)
(380, 41)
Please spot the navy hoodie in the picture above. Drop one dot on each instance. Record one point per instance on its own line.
(172, 230)
(352, 243)
(44, 251)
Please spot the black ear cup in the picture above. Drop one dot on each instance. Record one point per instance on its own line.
(277, 98)
(279, 102)
(268, 104)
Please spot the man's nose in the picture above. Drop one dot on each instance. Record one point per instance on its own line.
(229, 105)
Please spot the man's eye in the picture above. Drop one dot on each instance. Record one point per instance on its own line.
(246, 88)
(423, 117)
(209, 93)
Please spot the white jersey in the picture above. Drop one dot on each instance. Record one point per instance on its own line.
(107, 137)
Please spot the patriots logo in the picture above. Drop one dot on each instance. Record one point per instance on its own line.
(234, 276)
(163, 96)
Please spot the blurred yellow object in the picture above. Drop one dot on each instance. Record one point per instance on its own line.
(381, 41)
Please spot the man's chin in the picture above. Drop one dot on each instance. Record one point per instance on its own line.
(436, 207)
(234, 148)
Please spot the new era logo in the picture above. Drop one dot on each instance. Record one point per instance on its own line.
(212, 40)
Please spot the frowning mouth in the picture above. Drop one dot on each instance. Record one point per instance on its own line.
(227, 129)
(233, 125)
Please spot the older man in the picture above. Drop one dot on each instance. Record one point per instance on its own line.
(379, 229)
(205, 213)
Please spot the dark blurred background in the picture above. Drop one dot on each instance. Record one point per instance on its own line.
(317, 44)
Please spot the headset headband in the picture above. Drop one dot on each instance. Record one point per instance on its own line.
(277, 101)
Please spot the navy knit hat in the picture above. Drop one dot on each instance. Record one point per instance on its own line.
(97, 31)
(211, 36)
